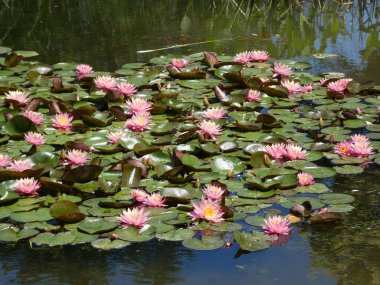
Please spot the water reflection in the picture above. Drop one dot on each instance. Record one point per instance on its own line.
(349, 250)
(107, 35)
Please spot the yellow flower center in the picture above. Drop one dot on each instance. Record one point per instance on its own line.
(209, 212)
(343, 149)
(140, 121)
(62, 120)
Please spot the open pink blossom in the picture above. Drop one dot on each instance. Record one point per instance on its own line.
(154, 200)
(292, 86)
(358, 138)
(62, 121)
(106, 83)
(76, 157)
(322, 81)
(276, 225)
(305, 179)
(207, 210)
(5, 160)
(180, 62)
(340, 85)
(127, 89)
(343, 148)
(259, 55)
(209, 129)
(213, 192)
(243, 57)
(133, 218)
(20, 165)
(83, 70)
(253, 96)
(27, 186)
(320, 211)
(282, 70)
(361, 148)
(114, 137)
(19, 96)
(277, 150)
(306, 88)
(214, 113)
(34, 138)
(139, 122)
(36, 117)
(139, 195)
(139, 105)
(294, 152)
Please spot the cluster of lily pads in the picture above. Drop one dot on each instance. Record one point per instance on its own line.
(202, 149)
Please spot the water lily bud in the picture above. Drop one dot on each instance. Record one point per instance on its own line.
(267, 162)
(205, 101)
(320, 123)
(150, 162)
(145, 160)
(197, 183)
(331, 139)
(230, 173)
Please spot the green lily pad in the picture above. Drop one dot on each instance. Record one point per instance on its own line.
(205, 243)
(226, 164)
(254, 241)
(40, 215)
(176, 235)
(107, 244)
(132, 234)
(348, 169)
(255, 220)
(96, 226)
(336, 198)
(50, 239)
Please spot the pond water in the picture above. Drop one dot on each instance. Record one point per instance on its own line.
(109, 34)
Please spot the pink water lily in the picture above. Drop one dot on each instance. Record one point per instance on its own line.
(343, 148)
(27, 186)
(133, 218)
(214, 113)
(277, 150)
(34, 138)
(253, 96)
(36, 117)
(294, 152)
(305, 179)
(207, 210)
(292, 86)
(139, 195)
(127, 89)
(20, 97)
(114, 137)
(358, 146)
(243, 57)
(209, 129)
(339, 86)
(105, 83)
(154, 200)
(5, 160)
(20, 165)
(76, 157)
(180, 62)
(62, 121)
(213, 192)
(83, 70)
(139, 122)
(282, 70)
(276, 225)
(139, 105)
(259, 55)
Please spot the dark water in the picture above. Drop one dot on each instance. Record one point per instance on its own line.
(107, 34)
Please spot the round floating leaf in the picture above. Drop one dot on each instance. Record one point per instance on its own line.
(205, 243)
(66, 211)
(254, 241)
(176, 235)
(315, 188)
(226, 164)
(336, 198)
(83, 174)
(13, 235)
(96, 226)
(353, 124)
(6, 192)
(40, 215)
(255, 194)
(50, 239)
(107, 244)
(255, 220)
(319, 171)
(132, 234)
(27, 53)
(348, 169)
(341, 208)
(18, 125)
(191, 161)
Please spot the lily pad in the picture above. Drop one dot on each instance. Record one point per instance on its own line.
(205, 243)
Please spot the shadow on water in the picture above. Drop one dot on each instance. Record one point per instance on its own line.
(109, 34)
